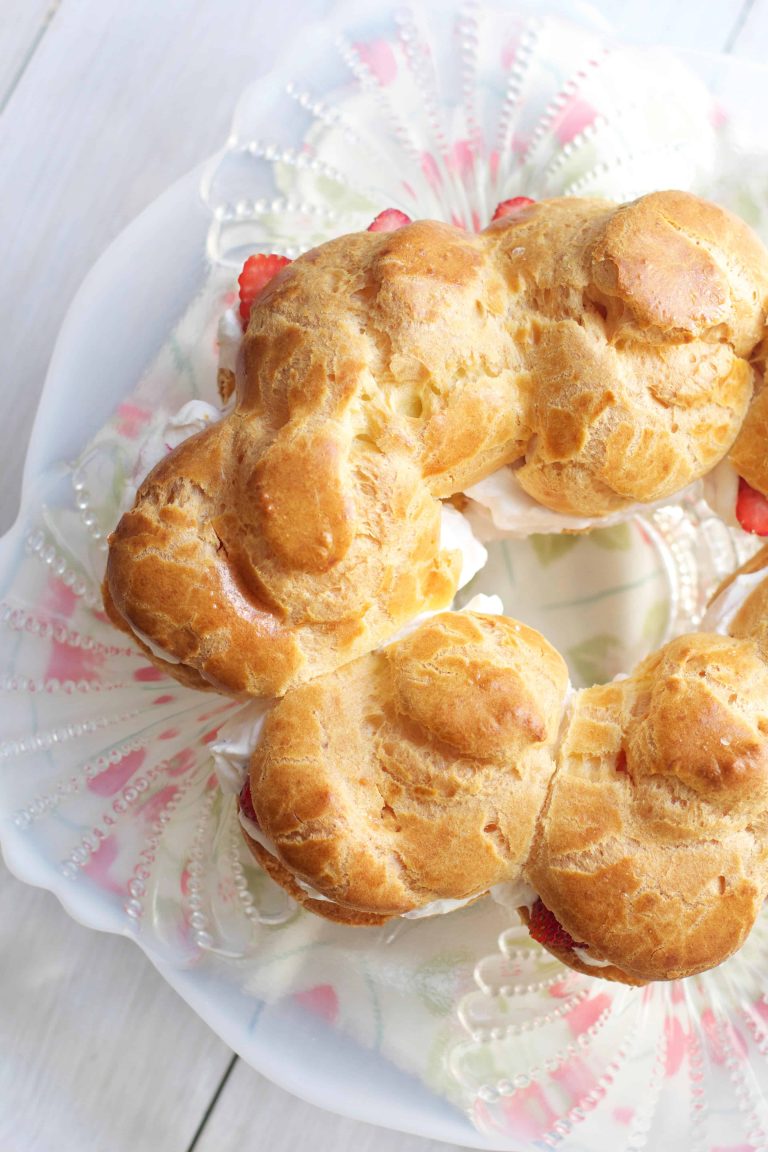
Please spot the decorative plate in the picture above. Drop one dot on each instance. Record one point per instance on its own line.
(459, 1028)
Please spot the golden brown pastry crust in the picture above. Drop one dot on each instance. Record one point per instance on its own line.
(652, 847)
(325, 908)
(611, 354)
(603, 350)
(748, 455)
(382, 798)
(572, 959)
(640, 818)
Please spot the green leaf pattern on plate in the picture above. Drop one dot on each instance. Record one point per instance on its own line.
(551, 548)
(601, 598)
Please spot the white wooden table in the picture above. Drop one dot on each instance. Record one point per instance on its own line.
(103, 106)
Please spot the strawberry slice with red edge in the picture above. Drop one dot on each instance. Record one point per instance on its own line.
(752, 509)
(257, 272)
(510, 207)
(544, 926)
(246, 802)
(389, 221)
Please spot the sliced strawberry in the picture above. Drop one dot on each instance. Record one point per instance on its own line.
(246, 802)
(257, 272)
(389, 221)
(510, 207)
(752, 509)
(544, 927)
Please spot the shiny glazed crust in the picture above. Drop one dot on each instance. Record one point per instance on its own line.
(604, 351)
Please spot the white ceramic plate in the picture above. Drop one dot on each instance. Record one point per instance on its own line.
(458, 1028)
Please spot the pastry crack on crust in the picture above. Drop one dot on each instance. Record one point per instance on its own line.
(578, 358)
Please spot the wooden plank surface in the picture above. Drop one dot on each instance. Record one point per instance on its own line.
(250, 1113)
(119, 101)
(23, 23)
(109, 104)
(751, 34)
(97, 1051)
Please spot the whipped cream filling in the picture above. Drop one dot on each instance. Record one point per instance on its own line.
(235, 743)
(501, 507)
(519, 894)
(720, 490)
(456, 535)
(721, 612)
(514, 894)
(155, 649)
(255, 833)
(229, 336)
(268, 845)
(190, 419)
(591, 961)
(438, 907)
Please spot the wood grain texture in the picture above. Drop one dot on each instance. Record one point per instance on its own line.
(23, 23)
(751, 34)
(97, 1051)
(253, 1114)
(114, 104)
(118, 102)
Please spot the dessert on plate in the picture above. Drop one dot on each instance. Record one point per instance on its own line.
(396, 389)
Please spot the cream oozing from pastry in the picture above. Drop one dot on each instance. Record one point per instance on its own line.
(720, 490)
(155, 649)
(520, 894)
(720, 614)
(229, 335)
(438, 907)
(266, 842)
(456, 535)
(514, 894)
(255, 833)
(191, 418)
(235, 743)
(501, 507)
(590, 961)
